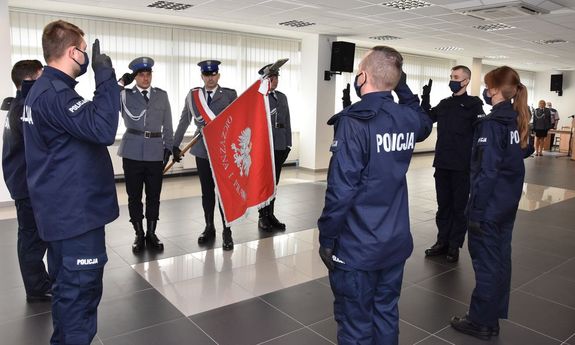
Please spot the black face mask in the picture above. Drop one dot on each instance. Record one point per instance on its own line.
(455, 86)
(486, 98)
(84, 66)
(358, 87)
(26, 86)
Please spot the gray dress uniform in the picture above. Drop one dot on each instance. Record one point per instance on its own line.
(221, 98)
(154, 117)
(280, 120)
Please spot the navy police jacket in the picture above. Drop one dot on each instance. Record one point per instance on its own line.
(70, 175)
(13, 160)
(455, 117)
(366, 216)
(497, 169)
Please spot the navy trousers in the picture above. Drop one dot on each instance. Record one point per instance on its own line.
(452, 190)
(142, 175)
(31, 250)
(365, 305)
(490, 251)
(76, 266)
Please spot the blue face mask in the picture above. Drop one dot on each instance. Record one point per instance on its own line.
(358, 87)
(486, 97)
(455, 86)
(83, 66)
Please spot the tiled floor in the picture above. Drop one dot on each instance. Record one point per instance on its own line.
(272, 289)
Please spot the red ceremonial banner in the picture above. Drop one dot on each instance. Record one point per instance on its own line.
(240, 148)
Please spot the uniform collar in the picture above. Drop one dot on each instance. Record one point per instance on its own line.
(462, 95)
(141, 89)
(56, 73)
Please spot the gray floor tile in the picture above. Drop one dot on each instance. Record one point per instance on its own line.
(245, 323)
(300, 337)
(541, 315)
(177, 332)
(510, 334)
(308, 303)
(427, 310)
(554, 288)
(133, 312)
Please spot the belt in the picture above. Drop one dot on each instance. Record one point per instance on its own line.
(146, 134)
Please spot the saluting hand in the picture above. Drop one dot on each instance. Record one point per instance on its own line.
(427, 88)
(99, 60)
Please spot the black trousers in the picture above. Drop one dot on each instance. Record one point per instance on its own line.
(140, 175)
(452, 188)
(31, 250)
(208, 191)
(280, 158)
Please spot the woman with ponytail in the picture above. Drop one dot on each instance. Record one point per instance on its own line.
(497, 173)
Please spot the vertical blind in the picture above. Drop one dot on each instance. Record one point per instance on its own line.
(175, 50)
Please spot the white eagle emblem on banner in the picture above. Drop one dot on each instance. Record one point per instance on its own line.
(242, 152)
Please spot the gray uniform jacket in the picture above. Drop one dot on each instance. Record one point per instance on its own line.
(280, 119)
(221, 99)
(157, 118)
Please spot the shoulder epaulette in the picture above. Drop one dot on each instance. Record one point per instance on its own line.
(59, 85)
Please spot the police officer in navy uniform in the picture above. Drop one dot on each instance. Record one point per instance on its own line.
(500, 143)
(31, 248)
(145, 149)
(364, 231)
(281, 132)
(455, 116)
(217, 98)
(70, 175)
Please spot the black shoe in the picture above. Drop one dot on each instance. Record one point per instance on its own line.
(228, 242)
(208, 235)
(436, 249)
(264, 223)
(139, 241)
(276, 224)
(45, 297)
(152, 241)
(495, 330)
(464, 325)
(452, 255)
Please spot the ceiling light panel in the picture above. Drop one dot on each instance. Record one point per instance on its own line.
(406, 5)
(168, 5)
(493, 27)
(296, 23)
(385, 38)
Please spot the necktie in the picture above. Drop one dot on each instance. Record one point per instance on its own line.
(209, 97)
(274, 95)
(145, 93)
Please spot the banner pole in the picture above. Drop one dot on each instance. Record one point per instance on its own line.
(186, 149)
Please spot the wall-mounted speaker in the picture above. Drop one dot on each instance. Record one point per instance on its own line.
(556, 82)
(342, 56)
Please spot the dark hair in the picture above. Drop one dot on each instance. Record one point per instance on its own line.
(465, 69)
(58, 36)
(507, 80)
(25, 69)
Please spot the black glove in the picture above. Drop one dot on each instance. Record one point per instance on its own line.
(425, 102)
(167, 154)
(177, 154)
(325, 254)
(427, 88)
(474, 227)
(99, 60)
(346, 100)
(127, 78)
(402, 80)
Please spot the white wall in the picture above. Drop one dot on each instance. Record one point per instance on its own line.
(565, 104)
(5, 81)
(317, 102)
